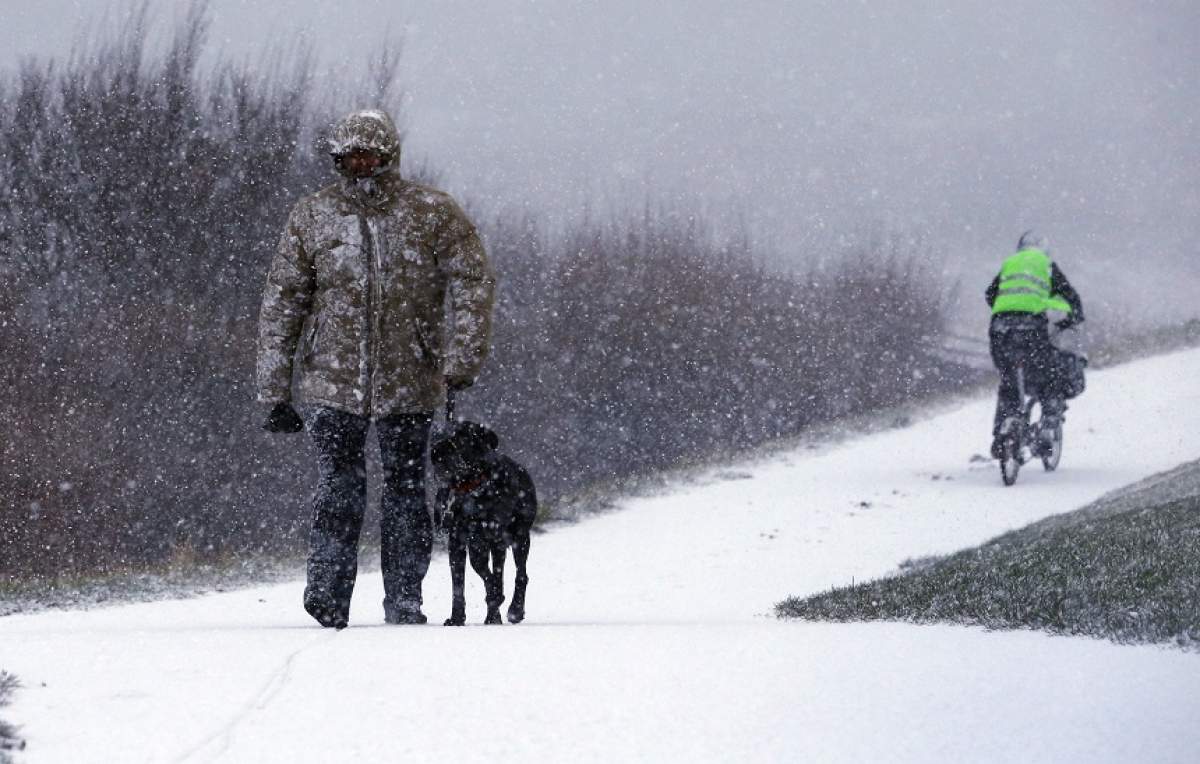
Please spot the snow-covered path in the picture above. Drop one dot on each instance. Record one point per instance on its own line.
(649, 637)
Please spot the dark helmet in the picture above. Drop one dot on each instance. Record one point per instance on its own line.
(1033, 240)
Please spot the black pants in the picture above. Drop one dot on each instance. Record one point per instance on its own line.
(1018, 339)
(341, 501)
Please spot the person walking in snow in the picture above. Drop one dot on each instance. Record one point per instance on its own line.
(357, 298)
(1028, 285)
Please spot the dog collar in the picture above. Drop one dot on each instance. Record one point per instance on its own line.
(468, 485)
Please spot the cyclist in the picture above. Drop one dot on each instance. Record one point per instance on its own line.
(1028, 285)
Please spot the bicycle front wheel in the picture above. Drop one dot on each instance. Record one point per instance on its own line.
(1010, 461)
(1054, 451)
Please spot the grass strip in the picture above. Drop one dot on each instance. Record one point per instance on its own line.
(1131, 576)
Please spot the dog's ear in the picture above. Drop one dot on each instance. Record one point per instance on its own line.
(491, 439)
(441, 452)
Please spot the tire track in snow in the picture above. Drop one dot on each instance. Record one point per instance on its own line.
(218, 742)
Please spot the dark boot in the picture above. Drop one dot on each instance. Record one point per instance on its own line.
(1053, 412)
(325, 610)
(405, 613)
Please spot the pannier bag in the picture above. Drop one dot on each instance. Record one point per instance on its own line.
(1069, 373)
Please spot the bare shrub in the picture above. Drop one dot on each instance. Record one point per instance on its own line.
(140, 199)
(640, 342)
(139, 202)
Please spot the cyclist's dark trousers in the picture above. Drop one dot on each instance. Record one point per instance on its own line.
(341, 500)
(1018, 338)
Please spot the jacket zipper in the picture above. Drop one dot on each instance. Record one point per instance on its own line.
(310, 343)
(368, 347)
(377, 245)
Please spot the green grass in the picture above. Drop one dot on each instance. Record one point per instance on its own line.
(1129, 574)
(8, 733)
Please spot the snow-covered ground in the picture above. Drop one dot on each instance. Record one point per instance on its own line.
(649, 635)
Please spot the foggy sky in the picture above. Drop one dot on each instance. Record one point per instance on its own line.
(963, 123)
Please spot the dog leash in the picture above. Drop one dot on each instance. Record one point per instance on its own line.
(449, 407)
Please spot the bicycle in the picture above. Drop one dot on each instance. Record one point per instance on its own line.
(1023, 441)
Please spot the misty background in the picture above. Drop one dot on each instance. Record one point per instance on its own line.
(806, 124)
(714, 228)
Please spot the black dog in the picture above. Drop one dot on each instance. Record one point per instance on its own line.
(486, 504)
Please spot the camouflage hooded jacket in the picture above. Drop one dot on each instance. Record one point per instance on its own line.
(357, 290)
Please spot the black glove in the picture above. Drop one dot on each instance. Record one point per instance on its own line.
(283, 418)
(455, 383)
